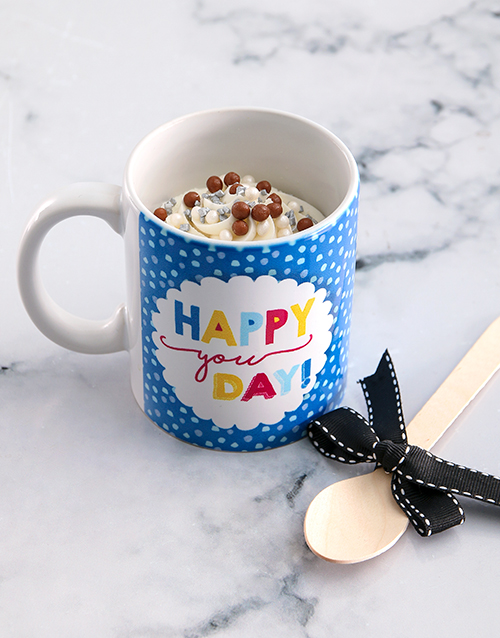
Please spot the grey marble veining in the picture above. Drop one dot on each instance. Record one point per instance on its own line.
(111, 528)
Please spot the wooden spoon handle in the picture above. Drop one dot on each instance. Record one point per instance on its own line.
(458, 389)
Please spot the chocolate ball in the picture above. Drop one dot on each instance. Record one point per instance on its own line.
(231, 178)
(260, 212)
(233, 187)
(214, 184)
(264, 186)
(304, 223)
(191, 198)
(275, 197)
(275, 209)
(240, 210)
(161, 213)
(240, 227)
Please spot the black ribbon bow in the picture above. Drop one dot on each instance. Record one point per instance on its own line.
(423, 484)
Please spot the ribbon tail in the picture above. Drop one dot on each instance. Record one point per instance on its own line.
(383, 400)
(430, 511)
(422, 467)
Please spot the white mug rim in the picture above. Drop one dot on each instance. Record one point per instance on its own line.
(329, 219)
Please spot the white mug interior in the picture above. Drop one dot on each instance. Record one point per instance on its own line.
(294, 154)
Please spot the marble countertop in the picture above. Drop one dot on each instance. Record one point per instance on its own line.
(110, 527)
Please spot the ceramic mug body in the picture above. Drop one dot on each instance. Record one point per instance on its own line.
(233, 345)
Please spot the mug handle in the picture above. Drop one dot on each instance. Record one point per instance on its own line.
(67, 330)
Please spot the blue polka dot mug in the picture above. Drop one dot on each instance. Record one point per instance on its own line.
(233, 345)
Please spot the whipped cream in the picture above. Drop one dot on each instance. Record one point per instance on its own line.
(231, 208)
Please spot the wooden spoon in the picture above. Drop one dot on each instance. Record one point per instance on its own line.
(357, 519)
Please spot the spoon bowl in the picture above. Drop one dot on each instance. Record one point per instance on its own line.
(375, 520)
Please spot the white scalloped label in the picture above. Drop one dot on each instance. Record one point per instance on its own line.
(242, 352)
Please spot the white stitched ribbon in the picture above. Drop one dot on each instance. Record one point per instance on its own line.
(423, 485)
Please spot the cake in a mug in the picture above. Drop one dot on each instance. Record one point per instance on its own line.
(233, 208)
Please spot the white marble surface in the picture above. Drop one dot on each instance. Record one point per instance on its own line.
(111, 528)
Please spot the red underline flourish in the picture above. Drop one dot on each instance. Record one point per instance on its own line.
(202, 371)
